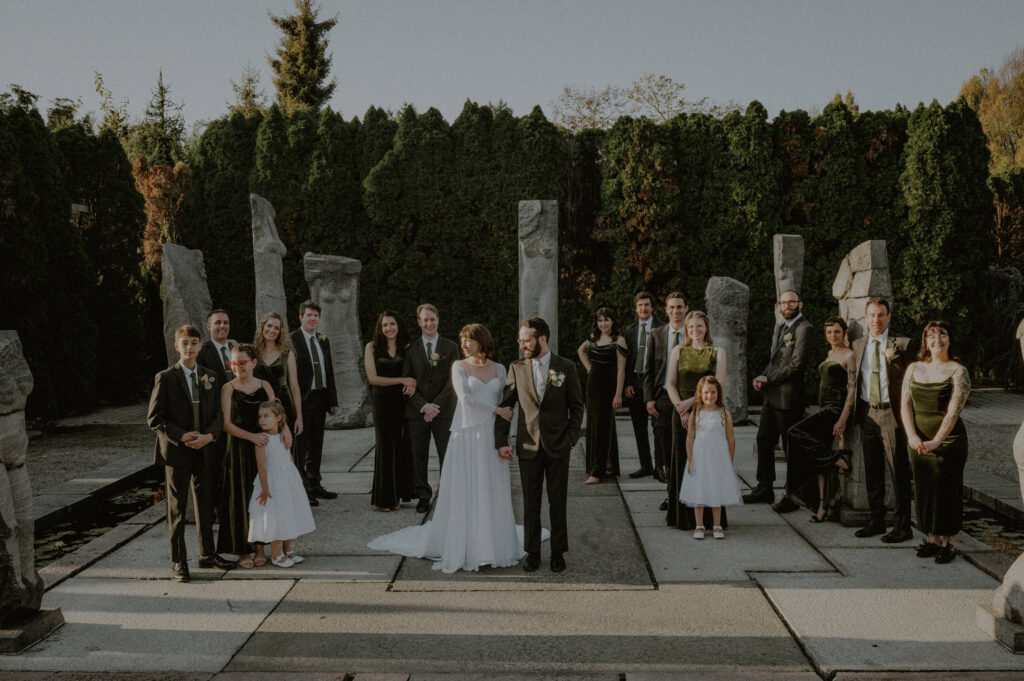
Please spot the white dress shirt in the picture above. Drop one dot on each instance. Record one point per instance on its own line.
(540, 373)
(433, 344)
(227, 349)
(865, 367)
(323, 363)
(188, 379)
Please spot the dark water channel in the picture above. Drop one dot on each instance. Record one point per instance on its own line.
(1002, 533)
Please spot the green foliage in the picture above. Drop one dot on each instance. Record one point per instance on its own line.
(302, 64)
(160, 138)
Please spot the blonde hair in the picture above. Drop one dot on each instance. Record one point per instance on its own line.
(277, 409)
(697, 314)
(698, 403)
(283, 342)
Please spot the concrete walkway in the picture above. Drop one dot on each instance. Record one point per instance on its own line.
(780, 598)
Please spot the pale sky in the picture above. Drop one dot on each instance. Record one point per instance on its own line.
(788, 55)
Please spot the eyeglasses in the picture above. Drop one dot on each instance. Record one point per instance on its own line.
(525, 342)
(240, 362)
(789, 302)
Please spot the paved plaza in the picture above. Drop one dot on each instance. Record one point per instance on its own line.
(779, 598)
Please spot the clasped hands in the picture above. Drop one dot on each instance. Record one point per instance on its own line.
(506, 453)
(921, 446)
(196, 440)
(760, 382)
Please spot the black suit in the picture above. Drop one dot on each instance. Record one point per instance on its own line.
(433, 386)
(170, 416)
(210, 358)
(546, 432)
(658, 347)
(316, 403)
(636, 404)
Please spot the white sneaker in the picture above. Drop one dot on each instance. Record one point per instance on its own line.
(719, 532)
(699, 532)
(282, 561)
(295, 558)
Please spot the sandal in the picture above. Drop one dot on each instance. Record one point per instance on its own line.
(592, 480)
(382, 509)
(246, 563)
(820, 515)
(718, 532)
(260, 560)
(699, 532)
(294, 558)
(282, 561)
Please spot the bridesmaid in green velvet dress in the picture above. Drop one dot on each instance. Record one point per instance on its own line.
(383, 358)
(276, 366)
(695, 358)
(935, 390)
(604, 358)
(812, 474)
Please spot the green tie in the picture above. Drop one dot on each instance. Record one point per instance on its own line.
(227, 362)
(641, 349)
(875, 397)
(430, 349)
(675, 338)
(318, 379)
(195, 402)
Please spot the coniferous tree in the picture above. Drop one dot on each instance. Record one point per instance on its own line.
(160, 138)
(249, 99)
(302, 63)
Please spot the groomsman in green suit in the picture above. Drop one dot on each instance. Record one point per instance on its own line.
(185, 414)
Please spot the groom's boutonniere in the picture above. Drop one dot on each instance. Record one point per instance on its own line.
(556, 378)
(207, 383)
(890, 353)
(433, 359)
(788, 339)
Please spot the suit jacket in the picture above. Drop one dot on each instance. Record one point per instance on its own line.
(211, 359)
(633, 378)
(899, 348)
(170, 412)
(304, 366)
(785, 370)
(554, 422)
(657, 361)
(433, 381)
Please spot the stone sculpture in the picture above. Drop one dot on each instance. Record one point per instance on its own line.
(267, 251)
(788, 266)
(334, 284)
(538, 264)
(21, 587)
(1003, 620)
(186, 295)
(728, 303)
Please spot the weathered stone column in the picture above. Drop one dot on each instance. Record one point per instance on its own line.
(728, 303)
(334, 285)
(538, 264)
(21, 587)
(1003, 617)
(186, 295)
(267, 250)
(863, 274)
(788, 266)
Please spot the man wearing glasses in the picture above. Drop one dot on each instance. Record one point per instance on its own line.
(782, 382)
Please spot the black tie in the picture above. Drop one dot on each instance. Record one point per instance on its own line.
(318, 379)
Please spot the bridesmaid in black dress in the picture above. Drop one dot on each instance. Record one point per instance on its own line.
(382, 359)
(276, 366)
(604, 357)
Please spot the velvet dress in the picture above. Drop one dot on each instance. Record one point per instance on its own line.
(938, 474)
(392, 461)
(239, 473)
(602, 441)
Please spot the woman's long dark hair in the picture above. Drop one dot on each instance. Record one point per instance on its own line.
(380, 341)
(595, 335)
(924, 354)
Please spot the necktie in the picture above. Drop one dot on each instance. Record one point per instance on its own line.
(539, 381)
(227, 362)
(318, 374)
(675, 338)
(875, 396)
(195, 402)
(430, 349)
(641, 349)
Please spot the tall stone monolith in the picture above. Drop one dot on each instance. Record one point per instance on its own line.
(1003, 617)
(788, 266)
(21, 588)
(267, 251)
(728, 305)
(186, 295)
(863, 274)
(334, 285)
(538, 264)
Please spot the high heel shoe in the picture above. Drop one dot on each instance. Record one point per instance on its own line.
(821, 515)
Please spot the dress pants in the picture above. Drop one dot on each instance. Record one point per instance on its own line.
(773, 424)
(179, 479)
(662, 424)
(883, 441)
(638, 414)
(533, 474)
(311, 442)
(420, 432)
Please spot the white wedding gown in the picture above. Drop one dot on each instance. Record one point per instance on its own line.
(473, 522)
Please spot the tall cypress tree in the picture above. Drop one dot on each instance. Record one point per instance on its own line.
(302, 63)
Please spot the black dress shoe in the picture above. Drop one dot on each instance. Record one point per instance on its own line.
(762, 494)
(557, 562)
(217, 561)
(896, 536)
(313, 501)
(423, 506)
(869, 530)
(927, 549)
(642, 473)
(319, 491)
(664, 506)
(946, 554)
(659, 474)
(531, 562)
(180, 572)
(785, 505)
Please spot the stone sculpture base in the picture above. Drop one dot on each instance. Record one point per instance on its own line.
(35, 627)
(1001, 629)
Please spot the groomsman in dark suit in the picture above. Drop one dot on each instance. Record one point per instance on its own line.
(185, 414)
(215, 355)
(783, 384)
(319, 398)
(659, 406)
(431, 407)
(636, 361)
(883, 357)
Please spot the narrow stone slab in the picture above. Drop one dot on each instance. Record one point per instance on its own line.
(147, 556)
(344, 449)
(280, 676)
(518, 676)
(686, 627)
(146, 626)
(71, 564)
(759, 675)
(328, 569)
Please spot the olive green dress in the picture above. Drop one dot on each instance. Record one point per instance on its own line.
(693, 365)
(392, 464)
(239, 473)
(602, 442)
(811, 452)
(276, 374)
(939, 474)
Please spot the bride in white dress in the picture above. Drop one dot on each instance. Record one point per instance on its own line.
(473, 522)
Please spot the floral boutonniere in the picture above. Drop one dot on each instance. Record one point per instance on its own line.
(890, 353)
(433, 359)
(207, 382)
(788, 339)
(320, 338)
(556, 378)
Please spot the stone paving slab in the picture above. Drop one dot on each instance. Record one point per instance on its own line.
(722, 676)
(344, 526)
(348, 626)
(344, 449)
(327, 569)
(518, 676)
(150, 626)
